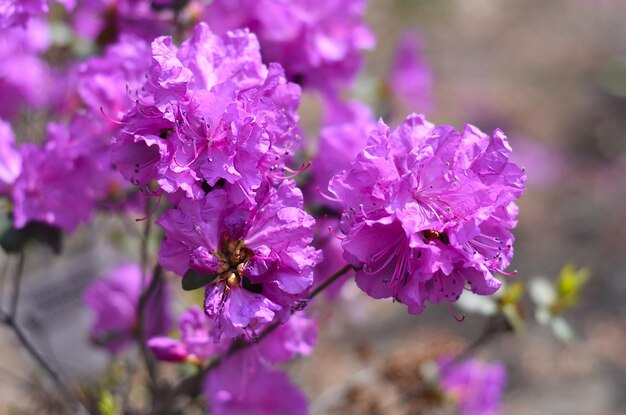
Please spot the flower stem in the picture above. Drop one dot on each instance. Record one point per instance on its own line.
(328, 281)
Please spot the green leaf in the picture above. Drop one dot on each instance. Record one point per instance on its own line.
(106, 403)
(105, 338)
(513, 293)
(571, 280)
(14, 240)
(48, 235)
(569, 286)
(513, 317)
(192, 280)
(5, 222)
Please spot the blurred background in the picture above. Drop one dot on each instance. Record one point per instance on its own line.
(552, 75)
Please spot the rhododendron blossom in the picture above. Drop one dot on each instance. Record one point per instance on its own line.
(259, 251)
(318, 43)
(410, 78)
(115, 301)
(18, 12)
(209, 110)
(475, 386)
(428, 210)
(66, 167)
(25, 78)
(196, 343)
(187, 113)
(343, 134)
(243, 384)
(10, 158)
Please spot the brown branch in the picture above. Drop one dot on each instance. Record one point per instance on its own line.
(149, 360)
(10, 320)
(17, 282)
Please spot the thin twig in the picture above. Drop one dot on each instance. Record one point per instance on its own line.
(191, 385)
(10, 320)
(17, 280)
(148, 359)
(143, 250)
(3, 274)
(124, 386)
(495, 325)
(38, 357)
(151, 366)
(329, 281)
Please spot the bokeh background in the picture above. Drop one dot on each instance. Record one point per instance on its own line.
(552, 75)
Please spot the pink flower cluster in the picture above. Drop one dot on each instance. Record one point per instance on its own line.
(428, 212)
(209, 129)
(476, 387)
(209, 110)
(258, 250)
(319, 43)
(244, 382)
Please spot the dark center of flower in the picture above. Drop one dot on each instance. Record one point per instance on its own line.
(433, 235)
(233, 256)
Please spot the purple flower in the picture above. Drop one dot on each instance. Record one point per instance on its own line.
(107, 21)
(410, 77)
(196, 343)
(110, 84)
(260, 251)
(332, 257)
(298, 336)
(18, 12)
(244, 385)
(72, 164)
(54, 174)
(115, 300)
(476, 387)
(428, 211)
(343, 135)
(544, 165)
(199, 341)
(318, 43)
(111, 81)
(209, 110)
(25, 79)
(10, 158)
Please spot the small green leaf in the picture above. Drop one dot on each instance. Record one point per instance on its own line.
(513, 293)
(106, 403)
(48, 235)
(106, 338)
(5, 221)
(568, 288)
(572, 280)
(14, 240)
(192, 280)
(513, 317)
